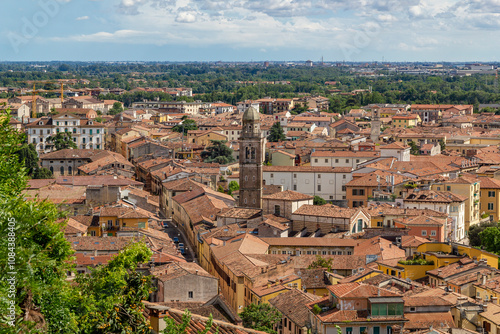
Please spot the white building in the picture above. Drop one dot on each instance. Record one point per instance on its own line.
(442, 201)
(87, 134)
(341, 158)
(396, 150)
(325, 182)
(244, 105)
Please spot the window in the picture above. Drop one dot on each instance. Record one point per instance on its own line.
(491, 194)
(319, 187)
(326, 160)
(362, 330)
(413, 309)
(336, 161)
(433, 233)
(315, 160)
(346, 161)
(343, 188)
(344, 176)
(277, 210)
(294, 187)
(294, 176)
(272, 175)
(448, 188)
(424, 233)
(62, 170)
(319, 176)
(190, 294)
(348, 330)
(92, 233)
(490, 206)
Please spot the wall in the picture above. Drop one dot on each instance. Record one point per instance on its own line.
(203, 288)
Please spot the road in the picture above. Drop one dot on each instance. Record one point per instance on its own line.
(174, 231)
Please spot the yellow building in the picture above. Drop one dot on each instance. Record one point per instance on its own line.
(405, 121)
(262, 294)
(436, 255)
(204, 138)
(470, 189)
(114, 219)
(490, 197)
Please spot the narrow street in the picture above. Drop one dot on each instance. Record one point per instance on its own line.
(174, 231)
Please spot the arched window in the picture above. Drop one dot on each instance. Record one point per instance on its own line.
(62, 170)
(65, 129)
(246, 178)
(57, 130)
(253, 153)
(51, 169)
(69, 170)
(245, 201)
(74, 130)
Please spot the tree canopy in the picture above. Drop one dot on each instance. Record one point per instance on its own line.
(276, 133)
(218, 152)
(187, 125)
(116, 108)
(62, 140)
(318, 200)
(260, 317)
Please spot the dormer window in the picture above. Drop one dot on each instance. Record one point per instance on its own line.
(40, 123)
(90, 122)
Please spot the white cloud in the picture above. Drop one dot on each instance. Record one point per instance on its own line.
(82, 18)
(185, 17)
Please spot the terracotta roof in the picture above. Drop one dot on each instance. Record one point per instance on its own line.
(421, 221)
(489, 183)
(418, 301)
(359, 290)
(310, 242)
(346, 154)
(465, 264)
(73, 226)
(70, 154)
(175, 270)
(434, 196)
(198, 323)
(292, 304)
(492, 313)
(327, 210)
(96, 180)
(299, 169)
(288, 195)
(97, 243)
(422, 320)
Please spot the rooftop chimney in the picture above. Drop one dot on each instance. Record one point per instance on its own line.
(196, 271)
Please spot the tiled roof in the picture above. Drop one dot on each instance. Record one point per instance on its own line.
(291, 304)
(70, 154)
(492, 313)
(464, 265)
(175, 270)
(96, 180)
(430, 319)
(243, 213)
(97, 243)
(412, 241)
(421, 220)
(418, 301)
(198, 323)
(359, 290)
(434, 196)
(307, 169)
(74, 226)
(326, 210)
(312, 242)
(346, 154)
(288, 195)
(489, 183)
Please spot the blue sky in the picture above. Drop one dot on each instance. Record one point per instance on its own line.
(245, 30)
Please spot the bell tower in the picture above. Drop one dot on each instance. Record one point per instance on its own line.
(251, 160)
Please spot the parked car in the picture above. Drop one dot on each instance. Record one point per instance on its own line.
(181, 245)
(182, 251)
(176, 240)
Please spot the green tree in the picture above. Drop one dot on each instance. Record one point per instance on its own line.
(260, 317)
(442, 144)
(62, 140)
(42, 254)
(319, 200)
(29, 157)
(218, 152)
(187, 124)
(321, 262)
(233, 186)
(116, 108)
(108, 300)
(475, 230)
(172, 327)
(276, 133)
(414, 149)
(490, 239)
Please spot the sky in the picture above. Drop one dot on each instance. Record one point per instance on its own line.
(250, 30)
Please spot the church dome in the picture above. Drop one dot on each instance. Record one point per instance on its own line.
(251, 114)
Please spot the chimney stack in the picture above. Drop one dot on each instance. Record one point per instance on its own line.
(484, 279)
